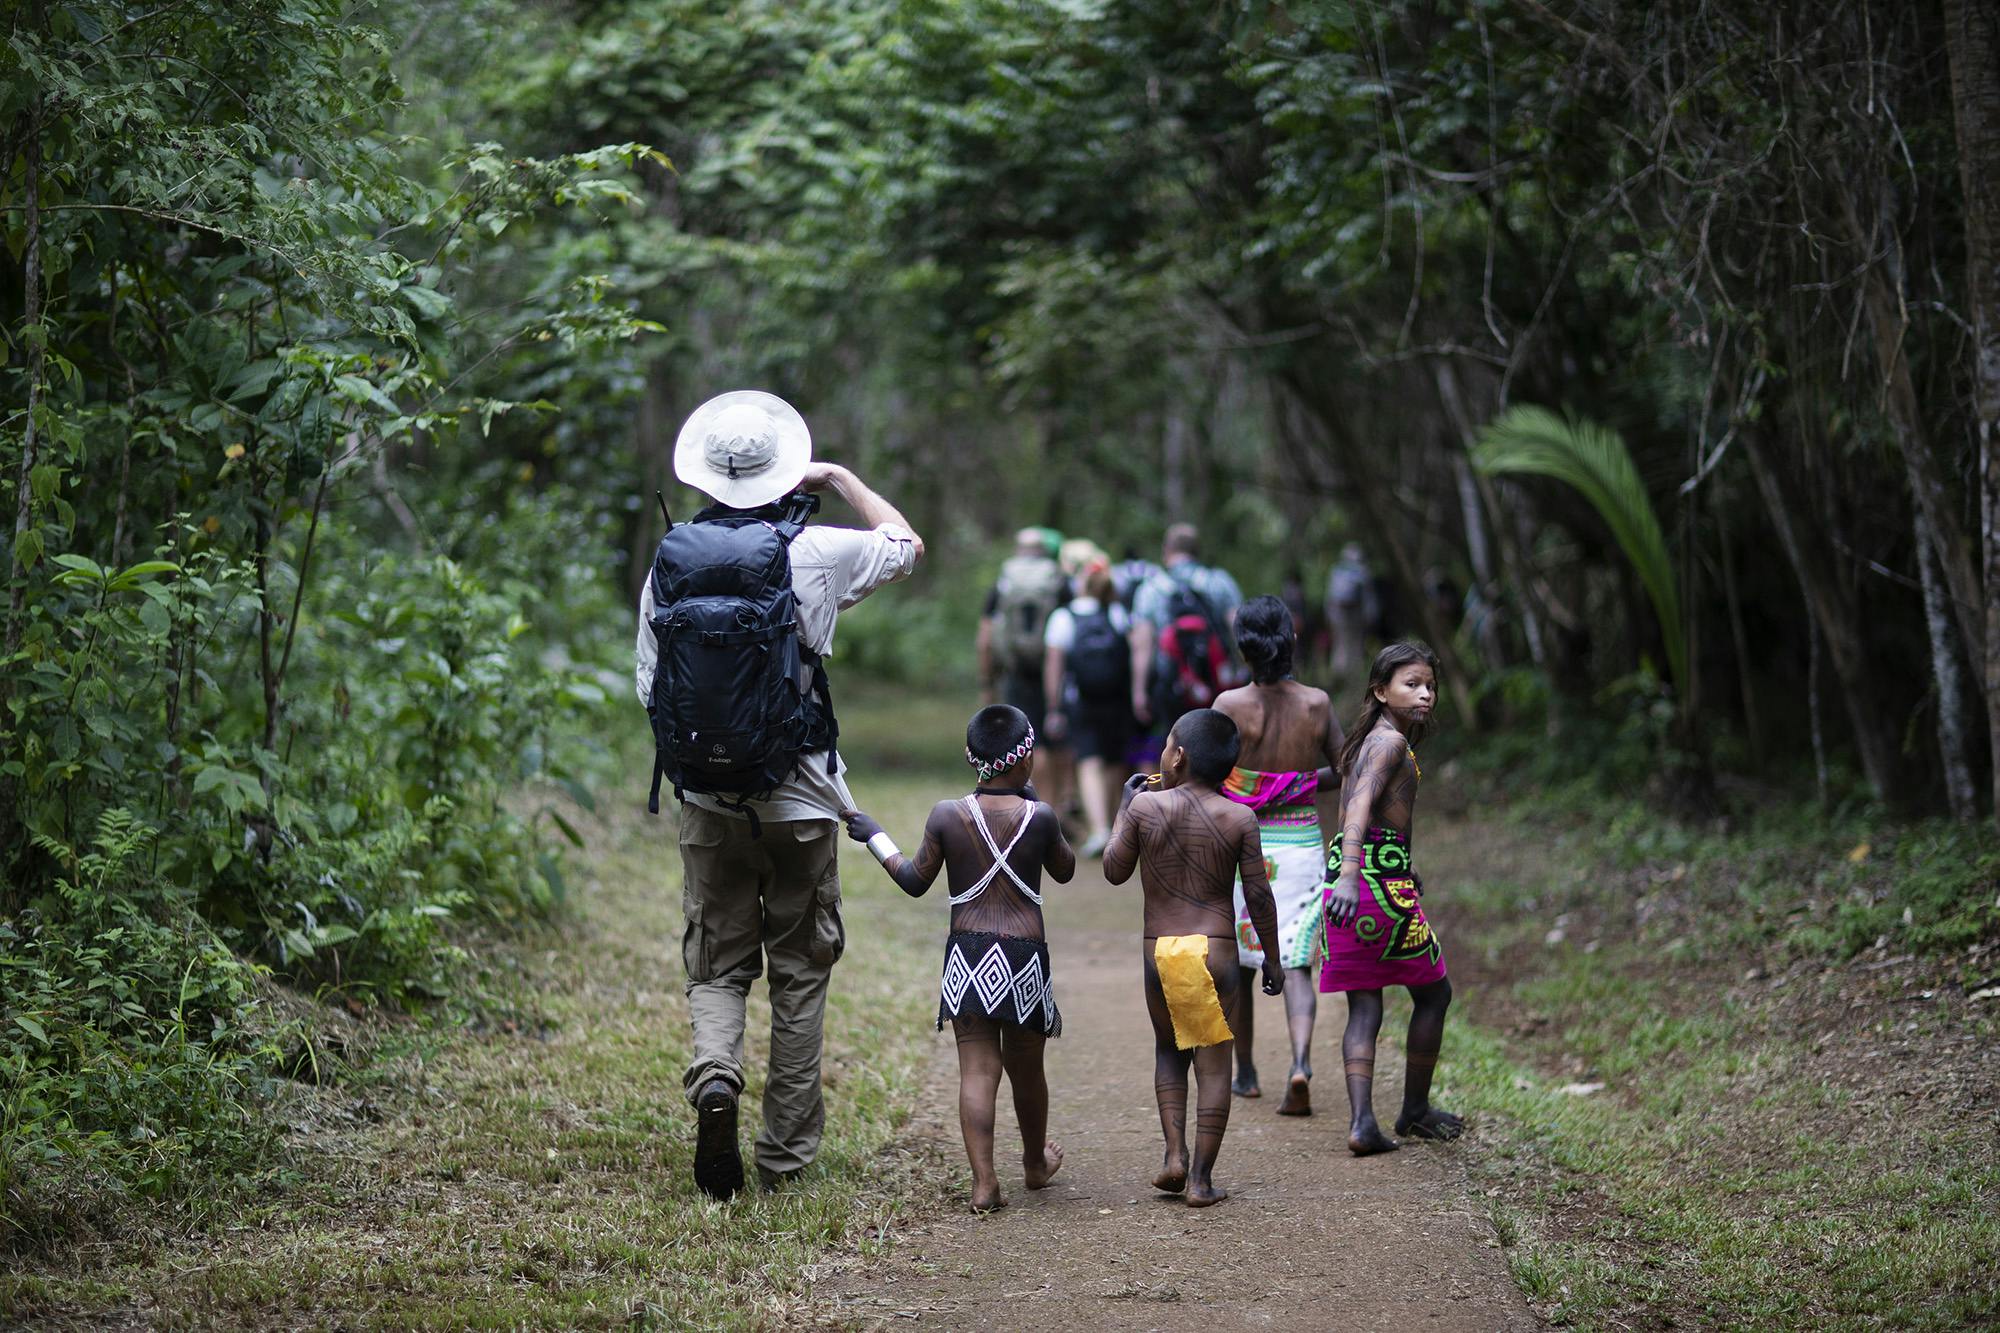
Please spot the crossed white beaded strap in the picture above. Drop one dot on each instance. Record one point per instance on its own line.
(988, 767)
(1000, 864)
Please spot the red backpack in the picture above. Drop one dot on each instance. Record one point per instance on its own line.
(1188, 669)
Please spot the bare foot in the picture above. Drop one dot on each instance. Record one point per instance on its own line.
(1245, 1084)
(1205, 1194)
(1173, 1177)
(987, 1201)
(1368, 1140)
(1298, 1097)
(1433, 1124)
(1052, 1160)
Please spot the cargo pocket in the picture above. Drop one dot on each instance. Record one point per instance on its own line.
(701, 870)
(694, 942)
(829, 939)
(829, 935)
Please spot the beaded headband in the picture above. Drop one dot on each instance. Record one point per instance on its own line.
(988, 768)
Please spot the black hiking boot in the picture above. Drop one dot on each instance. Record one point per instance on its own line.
(718, 1165)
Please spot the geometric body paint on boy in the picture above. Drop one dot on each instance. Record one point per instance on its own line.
(1290, 734)
(992, 846)
(1189, 843)
(1377, 934)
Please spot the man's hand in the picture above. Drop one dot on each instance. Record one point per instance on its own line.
(1133, 786)
(1055, 725)
(1142, 708)
(860, 827)
(1274, 976)
(1345, 899)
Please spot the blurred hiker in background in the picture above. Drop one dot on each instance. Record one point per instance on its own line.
(1011, 648)
(1352, 608)
(1089, 683)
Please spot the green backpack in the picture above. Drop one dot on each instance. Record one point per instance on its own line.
(1030, 588)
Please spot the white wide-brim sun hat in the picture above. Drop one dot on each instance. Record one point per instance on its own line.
(744, 448)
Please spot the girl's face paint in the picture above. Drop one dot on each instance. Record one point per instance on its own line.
(1410, 694)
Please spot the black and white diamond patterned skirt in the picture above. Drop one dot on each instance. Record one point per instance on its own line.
(1000, 977)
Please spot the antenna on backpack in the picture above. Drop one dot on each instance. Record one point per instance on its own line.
(663, 510)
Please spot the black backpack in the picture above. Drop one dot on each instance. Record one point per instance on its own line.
(737, 696)
(1100, 660)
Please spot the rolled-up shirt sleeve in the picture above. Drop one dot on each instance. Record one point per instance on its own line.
(866, 560)
(649, 648)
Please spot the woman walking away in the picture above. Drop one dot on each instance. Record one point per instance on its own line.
(1376, 931)
(1089, 688)
(1288, 732)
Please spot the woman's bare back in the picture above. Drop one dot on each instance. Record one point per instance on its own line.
(1285, 727)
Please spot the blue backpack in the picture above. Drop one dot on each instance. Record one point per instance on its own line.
(737, 697)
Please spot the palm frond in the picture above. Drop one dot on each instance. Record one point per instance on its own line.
(1594, 461)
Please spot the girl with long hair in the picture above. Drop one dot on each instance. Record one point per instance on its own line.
(1376, 931)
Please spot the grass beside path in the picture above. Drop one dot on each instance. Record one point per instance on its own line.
(1689, 1118)
(540, 1178)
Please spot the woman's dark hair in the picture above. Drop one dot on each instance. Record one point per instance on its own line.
(1211, 741)
(1387, 663)
(995, 731)
(1264, 632)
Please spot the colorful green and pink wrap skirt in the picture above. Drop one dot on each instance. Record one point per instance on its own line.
(1288, 823)
(1389, 942)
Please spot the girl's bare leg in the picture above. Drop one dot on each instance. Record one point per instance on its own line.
(1419, 1118)
(1301, 1008)
(1021, 1056)
(1357, 1050)
(978, 1085)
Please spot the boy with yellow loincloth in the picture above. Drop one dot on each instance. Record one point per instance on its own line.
(1193, 842)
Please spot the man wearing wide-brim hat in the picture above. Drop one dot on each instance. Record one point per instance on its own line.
(761, 883)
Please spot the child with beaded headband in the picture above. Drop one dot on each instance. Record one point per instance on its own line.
(992, 845)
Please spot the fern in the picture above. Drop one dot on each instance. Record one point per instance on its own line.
(1593, 459)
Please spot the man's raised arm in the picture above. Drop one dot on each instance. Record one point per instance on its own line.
(872, 508)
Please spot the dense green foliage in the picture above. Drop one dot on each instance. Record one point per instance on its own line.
(240, 733)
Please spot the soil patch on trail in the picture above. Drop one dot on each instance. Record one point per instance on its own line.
(1310, 1237)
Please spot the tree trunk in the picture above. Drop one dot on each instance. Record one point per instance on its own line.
(1839, 620)
(1929, 475)
(1944, 674)
(1475, 498)
(654, 446)
(1972, 40)
(37, 340)
(37, 336)
(1371, 497)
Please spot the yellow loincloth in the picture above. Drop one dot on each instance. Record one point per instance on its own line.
(1182, 961)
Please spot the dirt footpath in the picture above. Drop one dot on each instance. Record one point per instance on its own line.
(1311, 1237)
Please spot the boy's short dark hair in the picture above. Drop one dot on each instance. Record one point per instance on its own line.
(995, 731)
(1211, 741)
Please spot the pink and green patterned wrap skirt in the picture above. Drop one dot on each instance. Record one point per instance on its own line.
(1389, 942)
(1288, 825)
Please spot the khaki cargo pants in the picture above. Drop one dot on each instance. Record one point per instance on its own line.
(747, 900)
